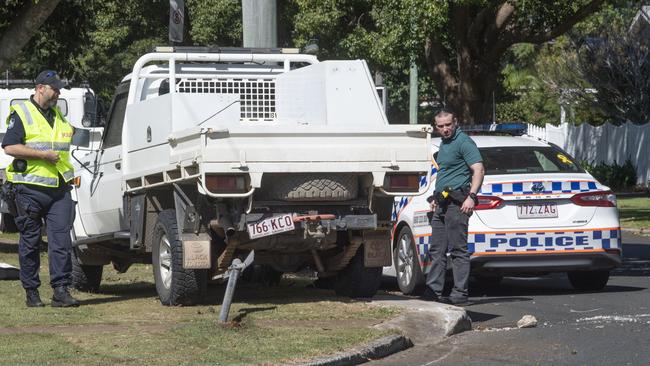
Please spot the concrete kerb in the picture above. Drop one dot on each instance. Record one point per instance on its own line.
(421, 323)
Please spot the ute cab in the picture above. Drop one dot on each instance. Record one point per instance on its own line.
(539, 212)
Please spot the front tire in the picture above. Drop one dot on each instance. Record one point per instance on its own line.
(356, 280)
(174, 284)
(86, 278)
(407, 264)
(589, 280)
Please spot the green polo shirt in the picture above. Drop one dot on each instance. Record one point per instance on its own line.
(455, 156)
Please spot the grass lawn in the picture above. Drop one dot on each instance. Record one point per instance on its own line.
(635, 213)
(126, 325)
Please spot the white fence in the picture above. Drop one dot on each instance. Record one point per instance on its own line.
(606, 143)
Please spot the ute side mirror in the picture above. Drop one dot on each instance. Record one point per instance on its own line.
(93, 111)
(81, 137)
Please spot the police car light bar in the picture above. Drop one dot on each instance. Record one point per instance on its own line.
(514, 129)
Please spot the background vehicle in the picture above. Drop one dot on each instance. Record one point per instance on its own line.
(538, 212)
(210, 154)
(78, 105)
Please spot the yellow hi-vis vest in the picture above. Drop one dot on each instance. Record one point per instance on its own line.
(39, 135)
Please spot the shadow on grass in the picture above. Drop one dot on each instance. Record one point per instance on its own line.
(123, 292)
(8, 247)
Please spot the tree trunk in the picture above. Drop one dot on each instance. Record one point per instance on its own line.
(23, 27)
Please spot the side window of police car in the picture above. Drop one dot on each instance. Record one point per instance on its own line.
(115, 121)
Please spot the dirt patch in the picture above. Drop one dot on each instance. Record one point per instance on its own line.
(87, 329)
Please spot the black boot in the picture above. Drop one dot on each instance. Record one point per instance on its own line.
(62, 298)
(33, 299)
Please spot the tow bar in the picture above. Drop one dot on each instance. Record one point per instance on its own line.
(234, 271)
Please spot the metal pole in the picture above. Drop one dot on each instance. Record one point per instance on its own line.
(235, 269)
(413, 77)
(260, 23)
(413, 93)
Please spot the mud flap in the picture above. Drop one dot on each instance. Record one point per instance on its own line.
(377, 251)
(196, 251)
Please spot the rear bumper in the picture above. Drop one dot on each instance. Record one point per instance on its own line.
(543, 263)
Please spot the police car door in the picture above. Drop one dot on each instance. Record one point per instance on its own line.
(99, 195)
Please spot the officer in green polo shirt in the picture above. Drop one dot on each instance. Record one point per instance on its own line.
(459, 179)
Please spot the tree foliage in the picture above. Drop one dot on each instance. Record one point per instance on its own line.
(19, 22)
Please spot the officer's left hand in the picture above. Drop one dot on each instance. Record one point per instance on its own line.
(468, 206)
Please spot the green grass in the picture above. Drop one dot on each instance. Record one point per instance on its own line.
(634, 212)
(126, 324)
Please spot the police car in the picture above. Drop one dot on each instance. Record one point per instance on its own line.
(538, 212)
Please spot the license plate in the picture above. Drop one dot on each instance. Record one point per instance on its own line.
(272, 225)
(536, 210)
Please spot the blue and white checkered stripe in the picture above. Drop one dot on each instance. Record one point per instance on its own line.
(423, 179)
(423, 252)
(513, 188)
(398, 206)
(544, 241)
(401, 202)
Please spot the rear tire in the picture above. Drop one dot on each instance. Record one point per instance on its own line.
(589, 280)
(174, 284)
(407, 264)
(310, 187)
(85, 278)
(356, 280)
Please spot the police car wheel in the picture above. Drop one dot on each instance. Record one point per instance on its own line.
(174, 284)
(589, 280)
(407, 265)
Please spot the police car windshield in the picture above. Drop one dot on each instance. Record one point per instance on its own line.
(527, 159)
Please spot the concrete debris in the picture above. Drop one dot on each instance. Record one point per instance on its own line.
(527, 321)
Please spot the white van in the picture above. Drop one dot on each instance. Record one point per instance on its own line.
(78, 105)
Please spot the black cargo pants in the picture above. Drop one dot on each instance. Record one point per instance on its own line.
(55, 205)
(449, 233)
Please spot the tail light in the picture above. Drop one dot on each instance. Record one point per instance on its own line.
(488, 202)
(76, 181)
(402, 182)
(218, 183)
(600, 199)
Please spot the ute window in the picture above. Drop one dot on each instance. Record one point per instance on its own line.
(61, 103)
(113, 134)
(527, 159)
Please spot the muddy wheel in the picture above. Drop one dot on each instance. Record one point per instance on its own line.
(407, 264)
(85, 278)
(174, 284)
(356, 280)
(589, 280)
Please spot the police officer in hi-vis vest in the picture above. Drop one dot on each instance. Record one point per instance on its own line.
(38, 137)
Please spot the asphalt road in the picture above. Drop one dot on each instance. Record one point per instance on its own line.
(574, 328)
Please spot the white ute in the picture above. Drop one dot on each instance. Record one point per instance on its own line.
(211, 155)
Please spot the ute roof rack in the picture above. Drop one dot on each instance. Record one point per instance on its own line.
(215, 49)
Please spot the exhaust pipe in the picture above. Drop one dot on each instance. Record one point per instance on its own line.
(223, 225)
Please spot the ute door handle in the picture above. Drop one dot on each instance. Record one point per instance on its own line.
(118, 166)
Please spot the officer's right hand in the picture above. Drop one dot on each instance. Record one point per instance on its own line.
(51, 156)
(433, 205)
